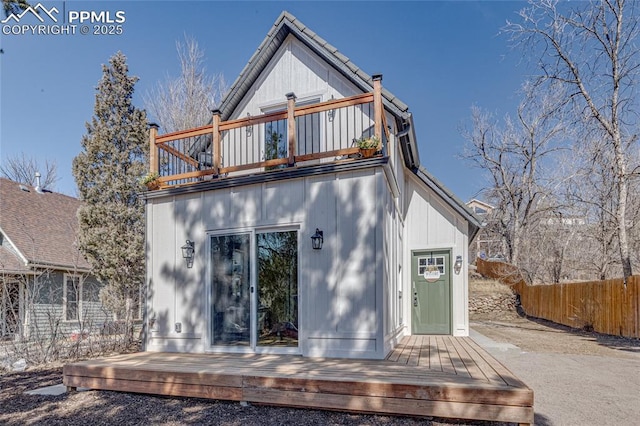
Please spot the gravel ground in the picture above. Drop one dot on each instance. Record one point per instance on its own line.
(578, 377)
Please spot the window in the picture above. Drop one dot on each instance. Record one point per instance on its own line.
(72, 297)
(275, 143)
(428, 263)
(276, 139)
(77, 293)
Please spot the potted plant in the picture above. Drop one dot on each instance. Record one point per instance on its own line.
(368, 146)
(151, 180)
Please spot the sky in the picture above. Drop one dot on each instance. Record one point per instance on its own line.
(439, 57)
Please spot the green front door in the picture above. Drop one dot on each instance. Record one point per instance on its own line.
(431, 292)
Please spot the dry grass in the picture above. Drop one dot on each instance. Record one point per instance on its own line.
(484, 286)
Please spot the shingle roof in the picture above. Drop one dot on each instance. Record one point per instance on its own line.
(10, 263)
(40, 226)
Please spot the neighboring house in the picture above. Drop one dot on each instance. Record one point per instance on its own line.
(487, 245)
(277, 169)
(45, 284)
(480, 208)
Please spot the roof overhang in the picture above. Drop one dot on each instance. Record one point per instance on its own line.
(475, 224)
(286, 25)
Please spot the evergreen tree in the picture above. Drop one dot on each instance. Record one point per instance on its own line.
(14, 6)
(107, 172)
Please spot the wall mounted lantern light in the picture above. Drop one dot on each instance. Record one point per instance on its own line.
(249, 125)
(458, 265)
(331, 113)
(317, 239)
(187, 253)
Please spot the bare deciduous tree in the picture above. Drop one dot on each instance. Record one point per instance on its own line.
(186, 101)
(513, 154)
(589, 48)
(591, 190)
(23, 169)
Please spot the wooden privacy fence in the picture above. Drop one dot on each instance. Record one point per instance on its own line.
(605, 306)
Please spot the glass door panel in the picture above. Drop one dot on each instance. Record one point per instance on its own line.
(277, 266)
(230, 290)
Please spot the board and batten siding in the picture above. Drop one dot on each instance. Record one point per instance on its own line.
(393, 248)
(294, 69)
(340, 287)
(433, 225)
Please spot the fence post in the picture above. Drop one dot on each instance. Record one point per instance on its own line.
(153, 149)
(377, 106)
(291, 127)
(215, 141)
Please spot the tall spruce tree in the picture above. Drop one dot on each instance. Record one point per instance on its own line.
(107, 172)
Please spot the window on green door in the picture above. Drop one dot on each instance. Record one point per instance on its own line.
(424, 264)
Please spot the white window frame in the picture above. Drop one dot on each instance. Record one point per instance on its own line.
(431, 261)
(279, 106)
(80, 296)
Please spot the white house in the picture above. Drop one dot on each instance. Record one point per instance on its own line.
(278, 165)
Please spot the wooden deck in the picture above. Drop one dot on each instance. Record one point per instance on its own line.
(439, 376)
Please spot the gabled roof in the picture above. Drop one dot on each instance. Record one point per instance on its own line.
(436, 186)
(476, 202)
(288, 24)
(39, 228)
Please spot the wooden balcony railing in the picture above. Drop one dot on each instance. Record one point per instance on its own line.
(320, 132)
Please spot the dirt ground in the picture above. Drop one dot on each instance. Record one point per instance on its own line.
(531, 334)
(578, 377)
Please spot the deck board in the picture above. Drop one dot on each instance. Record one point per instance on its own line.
(440, 376)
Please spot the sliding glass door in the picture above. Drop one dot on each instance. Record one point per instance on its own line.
(230, 290)
(241, 317)
(277, 257)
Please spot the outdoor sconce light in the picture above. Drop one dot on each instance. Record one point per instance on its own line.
(458, 265)
(331, 113)
(187, 253)
(317, 239)
(249, 125)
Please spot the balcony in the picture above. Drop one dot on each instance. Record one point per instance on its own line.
(296, 136)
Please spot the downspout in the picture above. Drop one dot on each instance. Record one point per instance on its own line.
(145, 310)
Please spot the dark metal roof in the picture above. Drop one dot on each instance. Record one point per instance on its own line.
(288, 24)
(285, 25)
